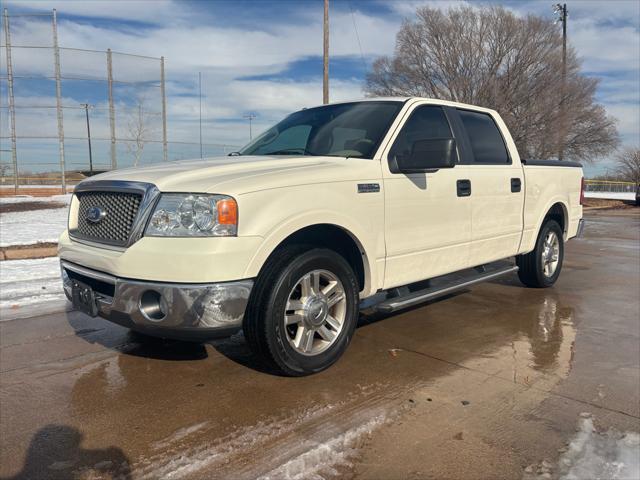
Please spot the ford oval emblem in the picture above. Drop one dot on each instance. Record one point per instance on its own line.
(95, 214)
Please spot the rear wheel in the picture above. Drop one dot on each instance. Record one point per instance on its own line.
(541, 267)
(303, 310)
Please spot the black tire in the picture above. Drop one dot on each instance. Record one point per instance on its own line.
(530, 271)
(263, 322)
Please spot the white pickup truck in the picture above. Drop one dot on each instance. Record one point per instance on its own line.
(375, 202)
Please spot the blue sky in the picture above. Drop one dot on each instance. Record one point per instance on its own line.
(259, 56)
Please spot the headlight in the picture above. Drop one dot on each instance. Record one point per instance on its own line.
(193, 215)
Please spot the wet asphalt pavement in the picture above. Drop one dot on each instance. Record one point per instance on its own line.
(478, 385)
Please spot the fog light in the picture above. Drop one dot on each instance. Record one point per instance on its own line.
(152, 306)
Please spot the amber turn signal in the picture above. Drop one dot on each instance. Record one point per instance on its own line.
(227, 212)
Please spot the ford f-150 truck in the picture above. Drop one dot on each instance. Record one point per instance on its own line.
(383, 203)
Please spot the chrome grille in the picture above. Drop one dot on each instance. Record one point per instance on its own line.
(120, 208)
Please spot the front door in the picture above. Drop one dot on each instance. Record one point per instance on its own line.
(427, 215)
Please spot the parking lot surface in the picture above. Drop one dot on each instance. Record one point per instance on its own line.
(489, 383)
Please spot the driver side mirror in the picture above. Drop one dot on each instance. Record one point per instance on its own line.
(425, 155)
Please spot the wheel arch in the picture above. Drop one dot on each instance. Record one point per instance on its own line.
(560, 213)
(326, 235)
(557, 209)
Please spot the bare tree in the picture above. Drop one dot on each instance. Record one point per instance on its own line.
(628, 164)
(139, 131)
(489, 57)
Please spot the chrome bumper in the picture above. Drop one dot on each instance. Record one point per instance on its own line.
(164, 309)
(580, 228)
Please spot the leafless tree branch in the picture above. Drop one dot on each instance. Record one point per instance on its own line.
(628, 164)
(489, 57)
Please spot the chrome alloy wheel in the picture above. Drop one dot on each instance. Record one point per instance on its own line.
(315, 312)
(550, 254)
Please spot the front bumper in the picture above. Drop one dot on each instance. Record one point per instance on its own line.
(173, 310)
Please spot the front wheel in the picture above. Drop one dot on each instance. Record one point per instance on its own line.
(303, 310)
(541, 267)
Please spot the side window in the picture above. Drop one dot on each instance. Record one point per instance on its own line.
(292, 138)
(425, 123)
(486, 141)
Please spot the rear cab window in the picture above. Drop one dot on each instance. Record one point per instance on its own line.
(486, 141)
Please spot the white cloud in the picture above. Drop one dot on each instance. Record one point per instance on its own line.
(137, 10)
(604, 48)
(605, 34)
(628, 116)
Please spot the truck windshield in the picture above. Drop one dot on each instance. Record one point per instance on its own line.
(341, 130)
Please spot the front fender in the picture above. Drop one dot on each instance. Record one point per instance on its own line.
(274, 215)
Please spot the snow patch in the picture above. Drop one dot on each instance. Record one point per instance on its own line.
(593, 455)
(34, 226)
(326, 447)
(630, 196)
(179, 461)
(29, 282)
(323, 460)
(179, 434)
(610, 455)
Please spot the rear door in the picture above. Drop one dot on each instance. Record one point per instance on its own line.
(497, 189)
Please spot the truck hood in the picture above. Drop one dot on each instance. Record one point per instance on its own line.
(243, 174)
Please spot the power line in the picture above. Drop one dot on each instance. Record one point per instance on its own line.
(355, 27)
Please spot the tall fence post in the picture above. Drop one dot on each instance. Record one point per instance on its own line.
(56, 58)
(12, 108)
(165, 151)
(112, 112)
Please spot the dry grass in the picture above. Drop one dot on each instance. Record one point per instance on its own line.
(29, 206)
(603, 203)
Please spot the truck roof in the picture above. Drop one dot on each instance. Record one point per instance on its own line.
(406, 99)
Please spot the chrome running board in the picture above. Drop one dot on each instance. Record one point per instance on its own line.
(431, 293)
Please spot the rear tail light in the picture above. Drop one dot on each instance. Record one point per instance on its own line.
(582, 191)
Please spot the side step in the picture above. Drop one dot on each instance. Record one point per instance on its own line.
(431, 293)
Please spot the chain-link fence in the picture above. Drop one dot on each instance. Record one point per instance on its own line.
(609, 186)
(73, 112)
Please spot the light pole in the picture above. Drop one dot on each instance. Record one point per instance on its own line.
(561, 11)
(325, 54)
(86, 107)
(250, 116)
(200, 98)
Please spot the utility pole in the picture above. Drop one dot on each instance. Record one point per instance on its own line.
(165, 143)
(58, 78)
(112, 110)
(200, 97)
(561, 11)
(250, 116)
(325, 54)
(86, 107)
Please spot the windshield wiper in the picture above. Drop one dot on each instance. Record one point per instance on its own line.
(233, 154)
(290, 151)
